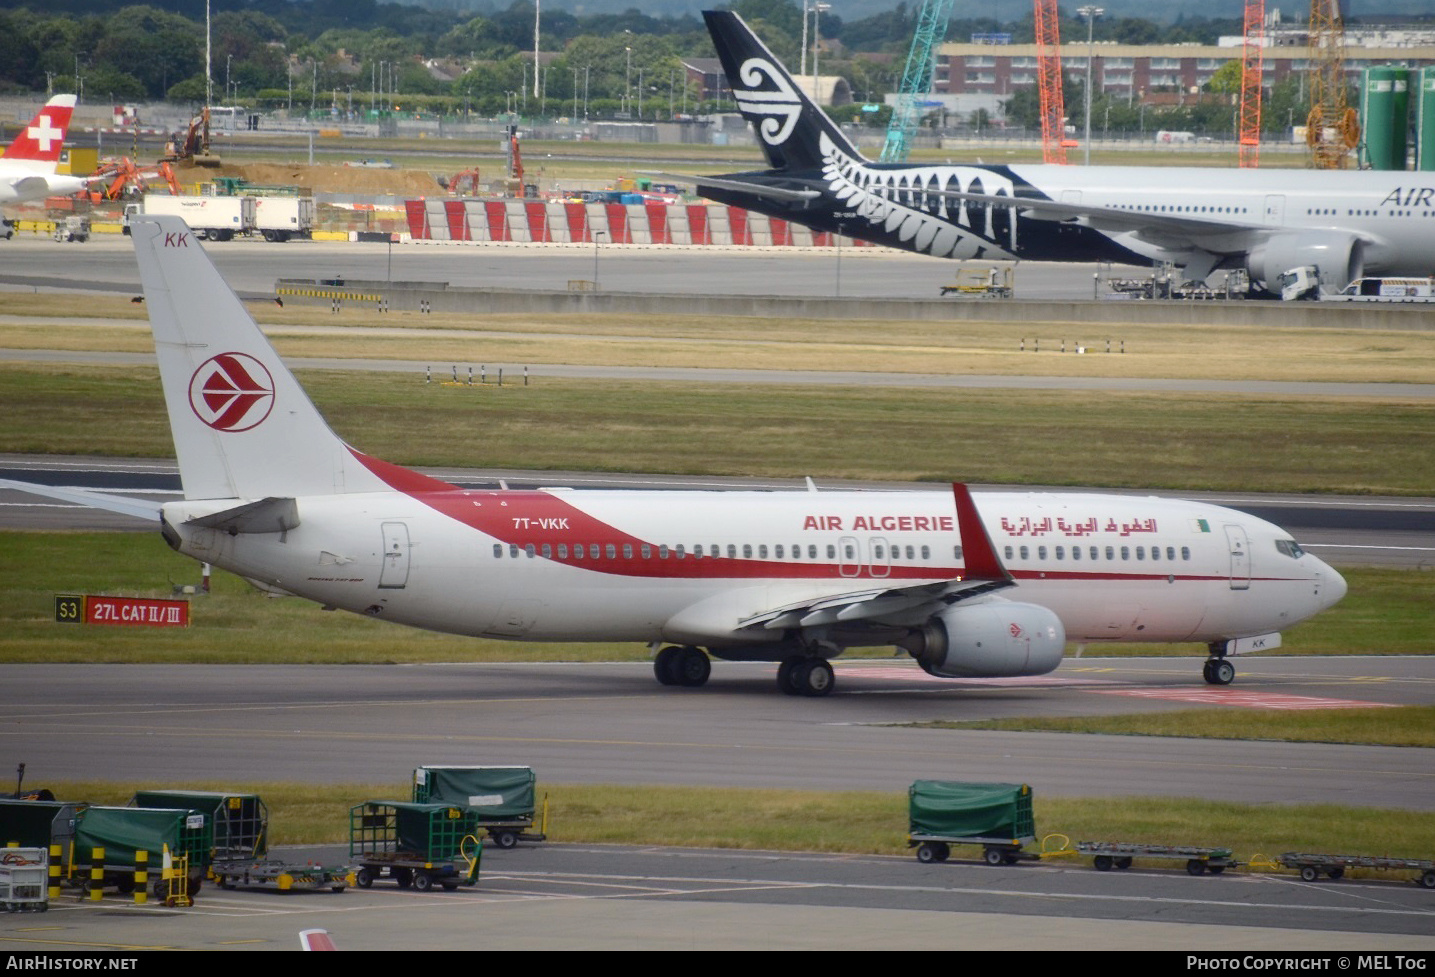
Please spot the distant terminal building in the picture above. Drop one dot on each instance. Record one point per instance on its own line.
(1131, 71)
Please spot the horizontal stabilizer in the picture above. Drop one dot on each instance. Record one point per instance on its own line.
(123, 504)
(740, 186)
(270, 515)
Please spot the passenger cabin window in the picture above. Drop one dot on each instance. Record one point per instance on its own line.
(498, 550)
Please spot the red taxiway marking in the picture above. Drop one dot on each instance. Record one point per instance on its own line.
(1251, 700)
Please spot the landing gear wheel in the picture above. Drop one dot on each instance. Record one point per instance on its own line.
(933, 851)
(665, 665)
(691, 667)
(813, 677)
(1218, 671)
(786, 681)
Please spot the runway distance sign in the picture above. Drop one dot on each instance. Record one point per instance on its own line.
(147, 612)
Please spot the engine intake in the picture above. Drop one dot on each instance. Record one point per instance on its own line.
(989, 640)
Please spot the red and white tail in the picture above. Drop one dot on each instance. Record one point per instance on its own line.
(41, 141)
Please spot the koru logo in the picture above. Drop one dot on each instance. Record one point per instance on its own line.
(780, 108)
(232, 392)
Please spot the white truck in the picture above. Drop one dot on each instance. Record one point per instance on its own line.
(211, 218)
(281, 217)
(1387, 290)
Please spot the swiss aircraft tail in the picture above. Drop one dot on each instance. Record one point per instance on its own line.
(790, 126)
(39, 143)
(243, 427)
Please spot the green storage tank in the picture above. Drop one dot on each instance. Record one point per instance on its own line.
(1425, 120)
(1384, 107)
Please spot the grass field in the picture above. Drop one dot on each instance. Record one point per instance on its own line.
(1146, 440)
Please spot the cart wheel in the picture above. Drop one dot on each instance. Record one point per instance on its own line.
(933, 851)
(423, 882)
(404, 877)
(450, 886)
(1336, 873)
(1195, 867)
(1310, 873)
(1123, 863)
(994, 856)
(337, 888)
(1103, 863)
(504, 839)
(1428, 879)
(363, 878)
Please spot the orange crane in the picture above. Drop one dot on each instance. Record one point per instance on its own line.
(1252, 56)
(1333, 128)
(1048, 58)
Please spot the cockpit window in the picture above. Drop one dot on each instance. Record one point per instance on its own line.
(1290, 548)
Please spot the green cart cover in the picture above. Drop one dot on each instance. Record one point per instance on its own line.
(492, 793)
(37, 824)
(241, 821)
(122, 831)
(427, 832)
(960, 810)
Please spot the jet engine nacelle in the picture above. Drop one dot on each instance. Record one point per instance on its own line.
(1340, 256)
(989, 640)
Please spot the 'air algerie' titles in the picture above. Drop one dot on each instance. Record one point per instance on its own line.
(931, 524)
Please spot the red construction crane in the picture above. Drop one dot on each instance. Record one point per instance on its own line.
(1251, 58)
(1048, 60)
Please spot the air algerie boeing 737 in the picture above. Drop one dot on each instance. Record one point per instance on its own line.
(1348, 224)
(986, 585)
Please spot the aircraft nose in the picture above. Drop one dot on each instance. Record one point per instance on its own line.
(1334, 587)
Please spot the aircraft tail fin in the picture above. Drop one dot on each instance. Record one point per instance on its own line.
(790, 127)
(39, 143)
(243, 427)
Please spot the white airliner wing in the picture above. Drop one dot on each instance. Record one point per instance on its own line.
(123, 504)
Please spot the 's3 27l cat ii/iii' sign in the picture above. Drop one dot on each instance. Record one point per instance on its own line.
(147, 612)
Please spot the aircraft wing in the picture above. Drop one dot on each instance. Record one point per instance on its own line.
(983, 573)
(123, 504)
(1164, 229)
(784, 194)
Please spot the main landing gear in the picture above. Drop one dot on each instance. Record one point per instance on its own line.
(802, 675)
(686, 665)
(1218, 669)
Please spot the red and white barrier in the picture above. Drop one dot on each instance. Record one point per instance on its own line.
(656, 223)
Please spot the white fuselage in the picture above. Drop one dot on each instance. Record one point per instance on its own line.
(690, 566)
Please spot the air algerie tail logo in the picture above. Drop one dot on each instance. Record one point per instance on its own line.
(779, 110)
(232, 392)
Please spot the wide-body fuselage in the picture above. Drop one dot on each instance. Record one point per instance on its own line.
(691, 567)
(912, 207)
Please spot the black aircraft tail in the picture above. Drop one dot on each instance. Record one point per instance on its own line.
(789, 125)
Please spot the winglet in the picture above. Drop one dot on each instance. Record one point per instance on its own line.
(316, 940)
(979, 556)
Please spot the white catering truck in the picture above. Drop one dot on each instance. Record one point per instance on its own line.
(220, 218)
(282, 217)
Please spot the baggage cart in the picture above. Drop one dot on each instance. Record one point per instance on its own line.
(186, 835)
(415, 845)
(1106, 855)
(997, 817)
(24, 880)
(1311, 867)
(501, 798)
(241, 842)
